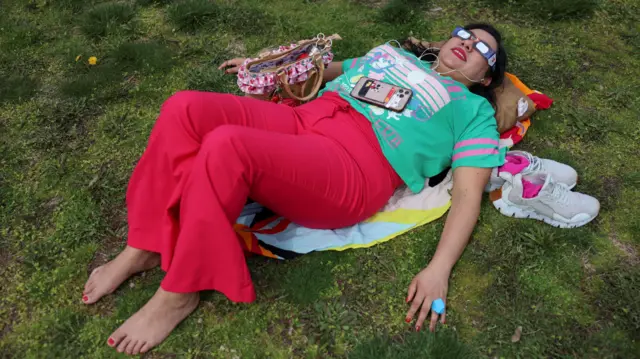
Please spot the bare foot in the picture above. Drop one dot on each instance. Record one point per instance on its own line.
(154, 322)
(105, 279)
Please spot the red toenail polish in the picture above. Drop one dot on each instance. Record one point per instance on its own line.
(418, 328)
(111, 341)
(407, 319)
(85, 298)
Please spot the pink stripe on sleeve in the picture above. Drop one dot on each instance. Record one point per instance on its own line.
(484, 151)
(476, 141)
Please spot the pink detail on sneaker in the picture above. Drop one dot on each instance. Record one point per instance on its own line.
(530, 190)
(514, 164)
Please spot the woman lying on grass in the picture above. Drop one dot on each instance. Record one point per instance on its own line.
(330, 163)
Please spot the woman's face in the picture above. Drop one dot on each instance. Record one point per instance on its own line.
(459, 54)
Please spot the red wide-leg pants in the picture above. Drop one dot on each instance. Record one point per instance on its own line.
(319, 165)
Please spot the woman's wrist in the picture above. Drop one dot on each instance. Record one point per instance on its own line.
(441, 265)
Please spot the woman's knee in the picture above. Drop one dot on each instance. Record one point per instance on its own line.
(180, 100)
(225, 141)
(191, 111)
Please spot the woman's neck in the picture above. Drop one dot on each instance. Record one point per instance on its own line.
(452, 74)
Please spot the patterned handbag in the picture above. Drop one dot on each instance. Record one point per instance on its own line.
(296, 69)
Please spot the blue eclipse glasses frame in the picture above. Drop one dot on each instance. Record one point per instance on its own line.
(482, 47)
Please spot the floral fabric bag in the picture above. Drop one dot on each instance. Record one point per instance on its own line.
(295, 69)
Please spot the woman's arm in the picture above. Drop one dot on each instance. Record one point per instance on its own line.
(432, 282)
(332, 71)
(469, 184)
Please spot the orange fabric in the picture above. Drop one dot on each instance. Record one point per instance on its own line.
(521, 86)
(249, 241)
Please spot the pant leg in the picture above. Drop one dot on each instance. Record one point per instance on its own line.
(185, 119)
(310, 178)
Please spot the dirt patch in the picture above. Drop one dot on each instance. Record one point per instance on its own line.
(586, 264)
(109, 249)
(5, 259)
(611, 189)
(8, 326)
(376, 4)
(629, 252)
(627, 249)
(283, 330)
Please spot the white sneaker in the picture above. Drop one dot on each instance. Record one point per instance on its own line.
(560, 172)
(555, 204)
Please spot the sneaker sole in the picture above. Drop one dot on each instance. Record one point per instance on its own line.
(517, 212)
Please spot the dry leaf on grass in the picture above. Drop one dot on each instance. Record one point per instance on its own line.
(516, 336)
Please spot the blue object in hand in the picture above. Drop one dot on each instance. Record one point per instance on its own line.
(438, 306)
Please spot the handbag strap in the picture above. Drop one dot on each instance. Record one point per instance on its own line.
(321, 39)
(319, 68)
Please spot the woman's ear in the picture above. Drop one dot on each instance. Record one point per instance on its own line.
(486, 81)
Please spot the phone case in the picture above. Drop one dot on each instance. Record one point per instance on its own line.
(382, 94)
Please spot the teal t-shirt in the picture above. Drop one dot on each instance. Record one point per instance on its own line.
(443, 125)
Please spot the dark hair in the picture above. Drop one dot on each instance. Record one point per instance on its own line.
(419, 48)
(497, 73)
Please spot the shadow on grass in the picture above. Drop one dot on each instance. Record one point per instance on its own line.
(191, 15)
(299, 281)
(16, 88)
(617, 300)
(553, 10)
(208, 78)
(403, 11)
(442, 345)
(73, 5)
(144, 57)
(153, 2)
(107, 19)
(55, 336)
(61, 125)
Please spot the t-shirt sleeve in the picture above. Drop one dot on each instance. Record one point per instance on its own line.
(478, 143)
(354, 63)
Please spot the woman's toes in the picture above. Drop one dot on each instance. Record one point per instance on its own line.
(89, 297)
(116, 338)
(91, 283)
(129, 348)
(136, 349)
(123, 344)
(89, 288)
(145, 348)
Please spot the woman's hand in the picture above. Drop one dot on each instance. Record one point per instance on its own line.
(233, 65)
(430, 284)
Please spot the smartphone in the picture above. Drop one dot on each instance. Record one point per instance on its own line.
(382, 94)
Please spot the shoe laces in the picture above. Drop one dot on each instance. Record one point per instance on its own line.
(559, 192)
(535, 163)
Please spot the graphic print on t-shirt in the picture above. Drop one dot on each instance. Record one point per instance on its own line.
(435, 129)
(430, 94)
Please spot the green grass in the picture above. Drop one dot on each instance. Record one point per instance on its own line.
(107, 19)
(71, 133)
(549, 9)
